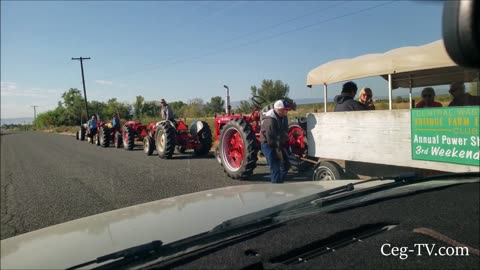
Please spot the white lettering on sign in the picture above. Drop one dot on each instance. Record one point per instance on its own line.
(453, 141)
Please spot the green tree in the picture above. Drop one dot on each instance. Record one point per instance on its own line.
(151, 109)
(178, 108)
(398, 99)
(195, 108)
(74, 105)
(272, 91)
(216, 105)
(138, 106)
(98, 108)
(113, 106)
(245, 107)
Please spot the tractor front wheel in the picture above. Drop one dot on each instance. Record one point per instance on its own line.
(128, 137)
(205, 138)
(117, 139)
(165, 140)
(238, 149)
(148, 145)
(82, 133)
(104, 138)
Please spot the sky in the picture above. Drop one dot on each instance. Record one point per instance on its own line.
(185, 50)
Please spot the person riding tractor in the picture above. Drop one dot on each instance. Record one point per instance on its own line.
(92, 128)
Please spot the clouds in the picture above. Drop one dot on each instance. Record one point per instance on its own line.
(110, 83)
(10, 89)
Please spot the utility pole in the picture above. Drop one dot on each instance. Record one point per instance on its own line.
(34, 112)
(83, 81)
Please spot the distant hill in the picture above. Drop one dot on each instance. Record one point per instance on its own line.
(16, 121)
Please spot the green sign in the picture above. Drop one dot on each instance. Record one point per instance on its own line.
(446, 134)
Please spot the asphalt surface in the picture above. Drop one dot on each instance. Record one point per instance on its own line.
(47, 179)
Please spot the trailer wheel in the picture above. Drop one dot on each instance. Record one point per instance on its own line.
(148, 145)
(205, 138)
(128, 137)
(103, 134)
(165, 140)
(238, 149)
(328, 171)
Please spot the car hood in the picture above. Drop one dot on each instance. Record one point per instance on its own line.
(78, 241)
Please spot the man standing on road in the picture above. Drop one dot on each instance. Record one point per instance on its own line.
(166, 112)
(345, 102)
(273, 137)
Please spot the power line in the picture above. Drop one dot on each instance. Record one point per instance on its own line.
(272, 36)
(175, 60)
(286, 32)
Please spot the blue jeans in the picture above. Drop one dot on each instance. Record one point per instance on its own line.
(278, 168)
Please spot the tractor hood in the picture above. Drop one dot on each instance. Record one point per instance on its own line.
(78, 241)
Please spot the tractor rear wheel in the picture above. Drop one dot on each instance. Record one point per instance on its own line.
(128, 137)
(82, 133)
(148, 145)
(103, 134)
(205, 138)
(97, 139)
(117, 139)
(297, 141)
(238, 149)
(165, 140)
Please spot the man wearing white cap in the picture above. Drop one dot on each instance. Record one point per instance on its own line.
(273, 135)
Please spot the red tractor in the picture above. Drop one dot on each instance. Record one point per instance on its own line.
(133, 130)
(165, 136)
(238, 137)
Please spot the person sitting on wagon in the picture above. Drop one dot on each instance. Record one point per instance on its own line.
(428, 99)
(345, 102)
(365, 97)
(460, 97)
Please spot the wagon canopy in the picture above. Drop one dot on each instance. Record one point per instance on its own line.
(415, 66)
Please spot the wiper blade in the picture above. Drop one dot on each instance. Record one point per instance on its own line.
(140, 250)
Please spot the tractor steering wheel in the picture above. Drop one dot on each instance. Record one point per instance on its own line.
(258, 102)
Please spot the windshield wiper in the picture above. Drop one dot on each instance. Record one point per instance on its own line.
(136, 251)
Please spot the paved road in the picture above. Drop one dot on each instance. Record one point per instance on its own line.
(49, 178)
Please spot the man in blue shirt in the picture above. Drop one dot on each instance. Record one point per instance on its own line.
(115, 121)
(92, 127)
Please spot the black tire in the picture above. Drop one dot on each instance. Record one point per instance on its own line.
(296, 137)
(77, 135)
(82, 133)
(148, 145)
(165, 140)
(328, 171)
(117, 139)
(205, 138)
(128, 138)
(234, 166)
(104, 136)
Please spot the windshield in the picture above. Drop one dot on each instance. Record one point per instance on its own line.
(126, 122)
